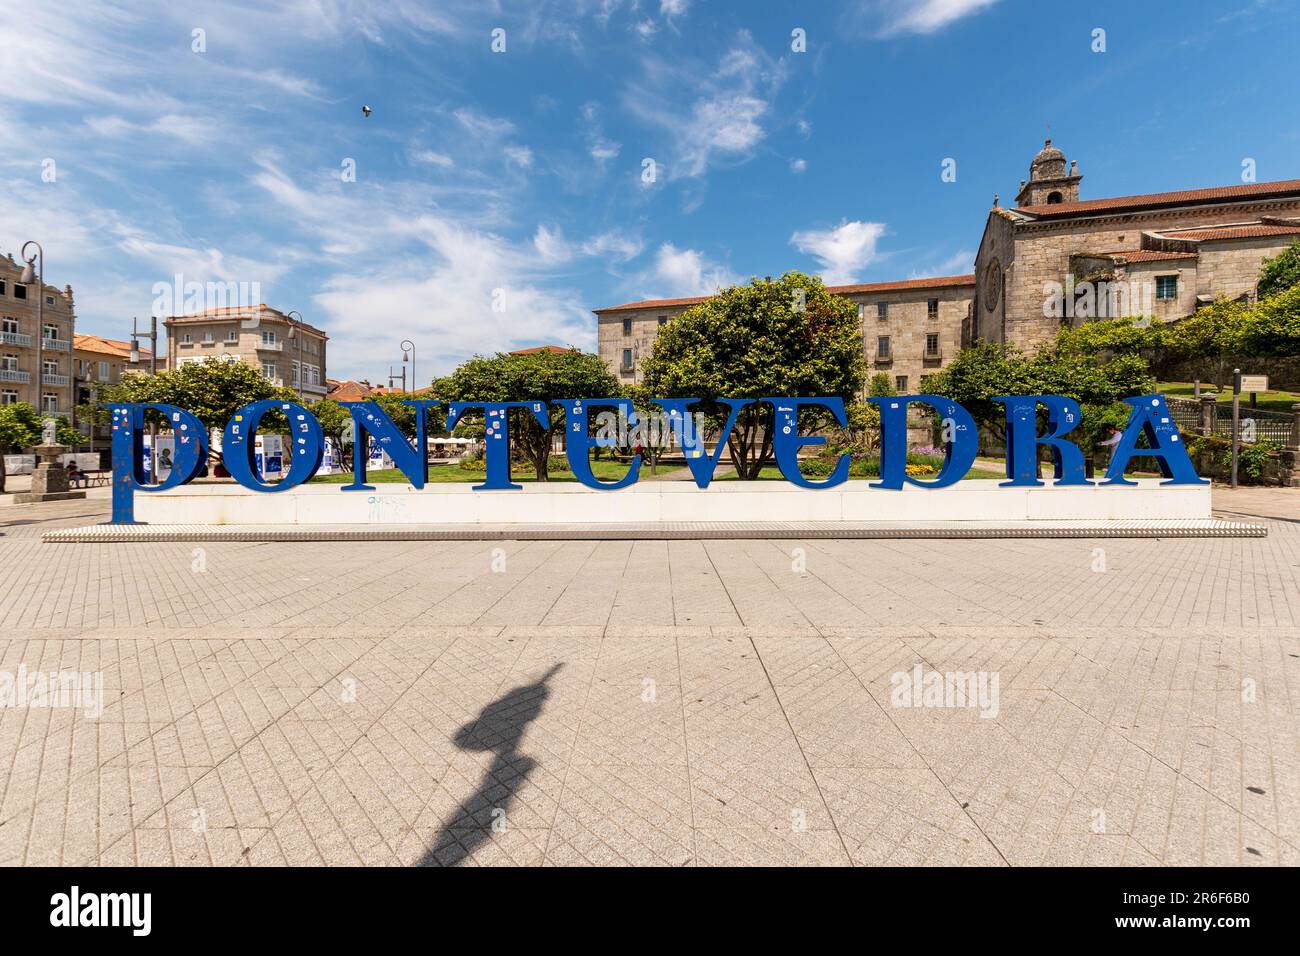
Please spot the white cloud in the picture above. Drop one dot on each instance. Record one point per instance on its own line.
(683, 272)
(724, 123)
(674, 8)
(599, 146)
(482, 127)
(188, 129)
(959, 263)
(519, 155)
(892, 17)
(615, 245)
(798, 165)
(382, 258)
(550, 245)
(430, 158)
(842, 251)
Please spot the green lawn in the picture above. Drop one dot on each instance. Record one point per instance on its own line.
(1269, 401)
(604, 469)
(773, 473)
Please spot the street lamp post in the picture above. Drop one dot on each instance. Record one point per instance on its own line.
(295, 333)
(153, 343)
(408, 348)
(33, 273)
(153, 370)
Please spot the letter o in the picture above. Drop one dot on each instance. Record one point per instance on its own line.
(306, 445)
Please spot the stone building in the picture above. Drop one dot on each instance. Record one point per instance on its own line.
(97, 362)
(909, 328)
(1052, 259)
(285, 350)
(1057, 258)
(49, 388)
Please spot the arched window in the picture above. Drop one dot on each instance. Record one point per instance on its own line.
(1053, 198)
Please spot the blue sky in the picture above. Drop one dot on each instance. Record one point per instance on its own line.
(517, 178)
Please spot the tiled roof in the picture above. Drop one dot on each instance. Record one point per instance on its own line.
(347, 390)
(559, 349)
(935, 282)
(94, 343)
(1246, 231)
(655, 303)
(1185, 197)
(1142, 255)
(230, 312)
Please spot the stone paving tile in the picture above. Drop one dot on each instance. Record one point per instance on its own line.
(654, 703)
(624, 815)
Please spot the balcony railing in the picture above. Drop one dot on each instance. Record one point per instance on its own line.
(934, 355)
(884, 358)
(271, 346)
(60, 345)
(50, 378)
(15, 375)
(15, 338)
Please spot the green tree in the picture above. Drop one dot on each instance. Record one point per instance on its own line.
(1280, 273)
(211, 390)
(21, 427)
(655, 441)
(1117, 336)
(334, 423)
(1272, 327)
(986, 370)
(1212, 332)
(785, 337)
(536, 376)
(881, 386)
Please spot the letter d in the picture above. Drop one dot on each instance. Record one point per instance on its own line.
(128, 449)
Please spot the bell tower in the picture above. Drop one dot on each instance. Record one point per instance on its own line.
(1049, 183)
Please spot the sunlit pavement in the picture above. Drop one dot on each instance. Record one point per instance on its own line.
(654, 702)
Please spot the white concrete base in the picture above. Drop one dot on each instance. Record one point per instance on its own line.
(663, 501)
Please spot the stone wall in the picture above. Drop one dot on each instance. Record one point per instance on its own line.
(1043, 249)
(907, 324)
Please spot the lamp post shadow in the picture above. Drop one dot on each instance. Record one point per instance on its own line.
(498, 729)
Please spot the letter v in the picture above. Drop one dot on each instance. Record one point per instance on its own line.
(702, 465)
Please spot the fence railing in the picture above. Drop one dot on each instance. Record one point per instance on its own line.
(1253, 424)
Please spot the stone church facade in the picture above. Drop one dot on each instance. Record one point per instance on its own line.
(1058, 258)
(1054, 258)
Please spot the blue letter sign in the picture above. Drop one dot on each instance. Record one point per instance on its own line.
(1063, 416)
(893, 441)
(128, 445)
(496, 437)
(1150, 423)
(238, 448)
(1151, 418)
(786, 441)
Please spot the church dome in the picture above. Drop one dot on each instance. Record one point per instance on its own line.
(1048, 163)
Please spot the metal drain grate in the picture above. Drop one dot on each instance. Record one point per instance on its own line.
(1169, 528)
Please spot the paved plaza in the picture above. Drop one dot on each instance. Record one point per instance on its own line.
(650, 702)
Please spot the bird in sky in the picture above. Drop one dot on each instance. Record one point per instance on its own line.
(366, 111)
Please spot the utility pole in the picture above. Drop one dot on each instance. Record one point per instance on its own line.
(1236, 415)
(153, 370)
